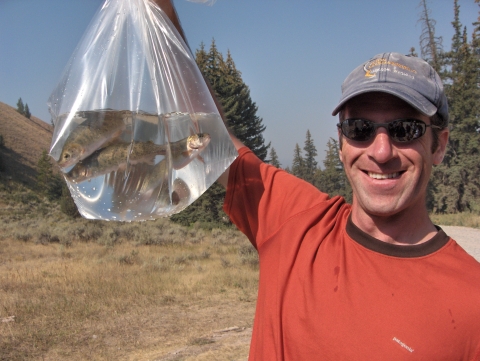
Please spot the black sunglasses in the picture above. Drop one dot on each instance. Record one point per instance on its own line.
(400, 130)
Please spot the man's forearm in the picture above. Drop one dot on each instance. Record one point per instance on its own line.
(169, 9)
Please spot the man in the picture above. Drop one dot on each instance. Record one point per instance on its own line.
(375, 280)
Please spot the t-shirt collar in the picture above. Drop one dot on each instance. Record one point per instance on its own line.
(410, 251)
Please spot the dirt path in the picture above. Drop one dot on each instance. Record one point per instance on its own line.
(468, 238)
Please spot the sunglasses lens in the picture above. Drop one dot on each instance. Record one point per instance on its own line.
(406, 130)
(402, 130)
(358, 129)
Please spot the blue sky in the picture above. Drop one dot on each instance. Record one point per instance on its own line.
(293, 54)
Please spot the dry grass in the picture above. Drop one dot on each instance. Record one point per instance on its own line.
(458, 219)
(109, 291)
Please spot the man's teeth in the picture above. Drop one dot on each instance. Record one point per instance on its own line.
(383, 176)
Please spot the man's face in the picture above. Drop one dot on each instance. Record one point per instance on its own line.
(388, 177)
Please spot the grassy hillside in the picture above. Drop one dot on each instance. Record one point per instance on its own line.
(24, 141)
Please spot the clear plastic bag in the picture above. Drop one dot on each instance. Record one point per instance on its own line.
(136, 131)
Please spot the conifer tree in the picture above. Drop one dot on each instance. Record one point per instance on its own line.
(27, 112)
(44, 172)
(274, 158)
(48, 183)
(430, 45)
(413, 52)
(67, 204)
(298, 163)
(309, 160)
(332, 180)
(240, 110)
(2, 166)
(20, 106)
(201, 57)
(456, 180)
(240, 116)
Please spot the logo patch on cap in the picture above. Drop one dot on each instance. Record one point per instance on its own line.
(374, 66)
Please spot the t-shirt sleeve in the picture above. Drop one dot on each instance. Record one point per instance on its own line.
(260, 197)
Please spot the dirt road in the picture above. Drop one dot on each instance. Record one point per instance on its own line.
(468, 238)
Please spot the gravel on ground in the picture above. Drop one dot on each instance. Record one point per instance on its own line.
(468, 238)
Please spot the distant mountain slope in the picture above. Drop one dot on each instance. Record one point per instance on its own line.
(24, 141)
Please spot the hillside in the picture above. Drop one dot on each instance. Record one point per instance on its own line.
(24, 141)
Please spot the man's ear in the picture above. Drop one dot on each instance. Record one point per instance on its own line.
(340, 145)
(442, 146)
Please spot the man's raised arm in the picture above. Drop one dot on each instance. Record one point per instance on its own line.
(169, 9)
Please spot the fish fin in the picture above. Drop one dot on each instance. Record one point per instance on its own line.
(150, 159)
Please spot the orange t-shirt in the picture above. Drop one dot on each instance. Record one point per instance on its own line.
(329, 291)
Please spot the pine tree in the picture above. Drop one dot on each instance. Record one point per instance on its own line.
(2, 143)
(67, 204)
(274, 158)
(413, 52)
(48, 183)
(309, 160)
(239, 113)
(212, 67)
(27, 112)
(298, 164)
(44, 172)
(332, 180)
(20, 107)
(430, 45)
(240, 110)
(456, 181)
(201, 56)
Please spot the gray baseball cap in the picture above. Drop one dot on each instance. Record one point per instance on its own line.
(407, 77)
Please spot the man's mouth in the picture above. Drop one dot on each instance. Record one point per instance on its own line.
(383, 175)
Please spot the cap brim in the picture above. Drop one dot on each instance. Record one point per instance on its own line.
(401, 91)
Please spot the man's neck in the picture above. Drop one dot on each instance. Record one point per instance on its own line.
(403, 228)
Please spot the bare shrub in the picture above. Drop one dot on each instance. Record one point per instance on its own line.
(128, 232)
(168, 299)
(46, 237)
(87, 232)
(130, 259)
(225, 262)
(161, 264)
(204, 255)
(109, 238)
(248, 255)
(200, 341)
(181, 259)
(217, 233)
(23, 237)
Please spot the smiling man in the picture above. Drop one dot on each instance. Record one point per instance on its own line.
(374, 280)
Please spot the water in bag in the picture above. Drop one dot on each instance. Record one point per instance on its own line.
(137, 134)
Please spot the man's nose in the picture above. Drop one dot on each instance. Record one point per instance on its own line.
(381, 149)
